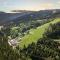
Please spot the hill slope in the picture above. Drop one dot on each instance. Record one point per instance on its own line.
(6, 18)
(36, 34)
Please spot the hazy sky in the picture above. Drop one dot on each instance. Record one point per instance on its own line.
(7, 5)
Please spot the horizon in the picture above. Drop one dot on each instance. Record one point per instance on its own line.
(31, 5)
(26, 10)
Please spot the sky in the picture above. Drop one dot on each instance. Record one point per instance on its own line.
(35, 5)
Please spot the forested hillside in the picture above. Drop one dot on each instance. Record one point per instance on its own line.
(47, 47)
(33, 36)
(36, 33)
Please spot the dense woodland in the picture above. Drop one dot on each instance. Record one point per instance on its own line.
(46, 48)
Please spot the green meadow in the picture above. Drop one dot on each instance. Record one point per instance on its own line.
(35, 34)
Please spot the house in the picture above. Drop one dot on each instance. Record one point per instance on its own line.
(12, 42)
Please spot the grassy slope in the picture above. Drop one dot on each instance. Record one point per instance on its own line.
(36, 34)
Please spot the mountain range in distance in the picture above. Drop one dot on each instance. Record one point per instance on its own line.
(17, 15)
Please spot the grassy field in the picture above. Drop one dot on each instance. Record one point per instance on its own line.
(35, 34)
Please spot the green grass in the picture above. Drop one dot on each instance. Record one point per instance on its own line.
(36, 34)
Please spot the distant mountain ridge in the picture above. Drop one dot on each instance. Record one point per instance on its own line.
(6, 18)
(22, 11)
